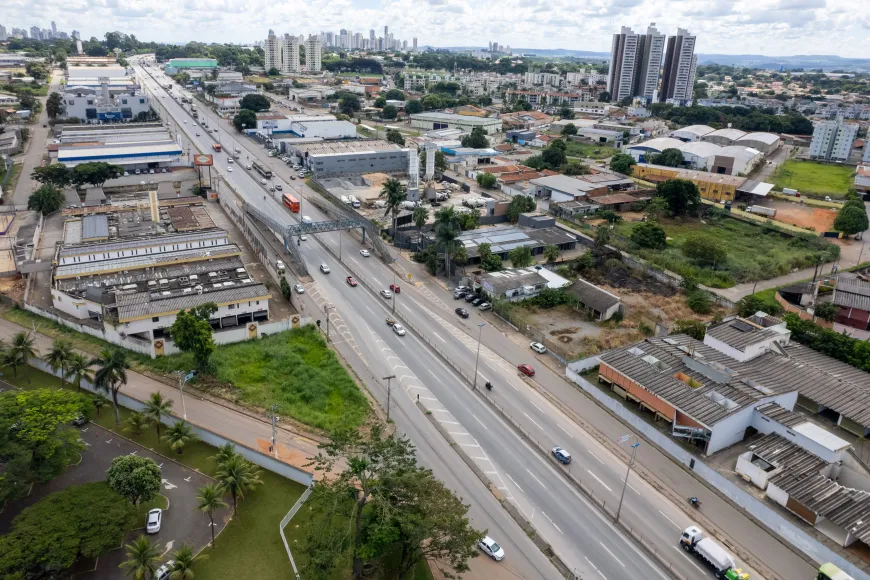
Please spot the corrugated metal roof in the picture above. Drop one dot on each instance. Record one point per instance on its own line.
(132, 306)
(95, 227)
(116, 245)
(781, 415)
(740, 334)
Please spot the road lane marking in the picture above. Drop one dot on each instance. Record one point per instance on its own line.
(537, 407)
(514, 482)
(479, 421)
(612, 554)
(552, 522)
(632, 487)
(596, 568)
(536, 479)
(669, 519)
(438, 336)
(681, 551)
(369, 309)
(533, 421)
(563, 429)
(599, 481)
(596, 457)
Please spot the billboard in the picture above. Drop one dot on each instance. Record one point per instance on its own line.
(203, 160)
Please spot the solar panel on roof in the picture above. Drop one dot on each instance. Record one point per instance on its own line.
(742, 326)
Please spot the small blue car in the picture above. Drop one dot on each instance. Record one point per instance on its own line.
(561, 455)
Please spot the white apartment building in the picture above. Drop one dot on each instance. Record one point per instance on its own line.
(542, 79)
(589, 75)
(313, 54)
(680, 65)
(290, 54)
(832, 140)
(272, 49)
(635, 62)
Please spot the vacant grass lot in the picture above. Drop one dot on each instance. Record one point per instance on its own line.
(293, 369)
(575, 149)
(249, 547)
(818, 178)
(754, 252)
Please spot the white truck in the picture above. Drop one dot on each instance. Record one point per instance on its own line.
(711, 553)
(354, 202)
(761, 210)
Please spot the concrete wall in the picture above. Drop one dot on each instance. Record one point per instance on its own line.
(779, 525)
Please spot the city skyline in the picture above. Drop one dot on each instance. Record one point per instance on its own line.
(769, 27)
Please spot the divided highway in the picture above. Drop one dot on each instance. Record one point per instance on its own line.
(583, 537)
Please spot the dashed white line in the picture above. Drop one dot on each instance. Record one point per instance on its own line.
(514, 482)
(479, 421)
(669, 519)
(563, 429)
(369, 309)
(438, 336)
(596, 568)
(533, 421)
(632, 487)
(552, 522)
(599, 481)
(537, 407)
(596, 457)
(536, 479)
(689, 559)
(612, 554)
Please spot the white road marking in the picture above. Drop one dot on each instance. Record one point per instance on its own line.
(552, 522)
(537, 407)
(167, 485)
(369, 309)
(632, 487)
(469, 445)
(533, 421)
(514, 482)
(596, 568)
(596, 457)
(599, 481)
(187, 479)
(563, 429)
(479, 421)
(612, 554)
(669, 519)
(536, 479)
(681, 551)
(109, 441)
(438, 336)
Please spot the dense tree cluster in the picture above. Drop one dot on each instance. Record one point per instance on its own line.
(743, 118)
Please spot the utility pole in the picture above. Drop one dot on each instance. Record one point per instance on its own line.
(272, 409)
(634, 447)
(326, 309)
(477, 359)
(388, 378)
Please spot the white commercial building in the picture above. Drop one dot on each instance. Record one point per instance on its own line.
(692, 132)
(313, 54)
(101, 106)
(832, 140)
(83, 72)
(678, 80)
(435, 120)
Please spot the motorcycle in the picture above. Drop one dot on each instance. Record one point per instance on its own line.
(695, 502)
(488, 386)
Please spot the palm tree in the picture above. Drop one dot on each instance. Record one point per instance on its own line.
(211, 499)
(111, 375)
(99, 402)
(142, 559)
(136, 422)
(225, 451)
(78, 367)
(183, 560)
(179, 435)
(395, 193)
(59, 357)
(156, 407)
(237, 475)
(446, 231)
(419, 217)
(19, 352)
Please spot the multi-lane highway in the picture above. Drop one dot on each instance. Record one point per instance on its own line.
(582, 536)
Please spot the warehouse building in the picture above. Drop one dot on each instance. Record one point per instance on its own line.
(713, 186)
(131, 156)
(723, 137)
(176, 65)
(764, 142)
(105, 133)
(692, 133)
(355, 157)
(434, 120)
(99, 106)
(737, 159)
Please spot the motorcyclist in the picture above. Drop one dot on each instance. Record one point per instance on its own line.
(488, 386)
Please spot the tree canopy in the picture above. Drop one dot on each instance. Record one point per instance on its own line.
(56, 174)
(413, 106)
(396, 137)
(852, 218)
(255, 102)
(47, 199)
(135, 478)
(389, 112)
(520, 204)
(682, 196)
(622, 162)
(192, 333)
(650, 235)
(245, 119)
(476, 139)
(668, 157)
(95, 173)
(485, 179)
(705, 250)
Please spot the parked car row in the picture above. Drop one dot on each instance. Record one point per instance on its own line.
(470, 296)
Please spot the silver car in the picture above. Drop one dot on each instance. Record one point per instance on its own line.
(155, 518)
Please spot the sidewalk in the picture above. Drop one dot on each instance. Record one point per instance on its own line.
(35, 148)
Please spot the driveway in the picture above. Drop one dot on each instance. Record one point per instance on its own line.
(181, 523)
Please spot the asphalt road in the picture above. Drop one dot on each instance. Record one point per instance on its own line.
(579, 533)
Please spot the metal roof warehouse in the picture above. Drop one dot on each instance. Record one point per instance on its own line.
(164, 152)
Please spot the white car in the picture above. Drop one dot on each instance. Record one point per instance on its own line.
(155, 518)
(230, 160)
(185, 120)
(163, 572)
(230, 169)
(364, 253)
(538, 347)
(324, 268)
(303, 238)
(399, 329)
(490, 548)
(300, 289)
(386, 294)
(279, 265)
(197, 133)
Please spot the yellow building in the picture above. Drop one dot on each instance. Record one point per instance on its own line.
(712, 186)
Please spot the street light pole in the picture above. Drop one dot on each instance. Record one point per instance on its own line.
(388, 378)
(630, 463)
(477, 359)
(326, 309)
(272, 409)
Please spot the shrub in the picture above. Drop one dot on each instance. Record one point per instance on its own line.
(699, 301)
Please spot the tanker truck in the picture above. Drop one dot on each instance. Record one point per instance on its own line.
(712, 554)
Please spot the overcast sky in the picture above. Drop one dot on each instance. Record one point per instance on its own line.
(769, 27)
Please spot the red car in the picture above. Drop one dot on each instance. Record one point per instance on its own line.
(526, 370)
(395, 288)
(351, 280)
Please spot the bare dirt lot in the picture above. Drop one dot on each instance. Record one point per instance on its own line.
(803, 216)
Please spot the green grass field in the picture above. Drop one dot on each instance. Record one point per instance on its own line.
(250, 546)
(585, 150)
(754, 252)
(818, 178)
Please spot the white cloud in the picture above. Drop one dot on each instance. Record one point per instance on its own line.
(771, 27)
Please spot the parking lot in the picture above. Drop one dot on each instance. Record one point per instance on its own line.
(181, 522)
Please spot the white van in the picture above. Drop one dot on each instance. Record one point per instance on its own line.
(306, 220)
(263, 182)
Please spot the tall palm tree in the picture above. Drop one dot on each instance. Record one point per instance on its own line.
(19, 352)
(79, 368)
(156, 407)
(237, 475)
(419, 217)
(59, 357)
(447, 229)
(111, 375)
(142, 559)
(395, 193)
(179, 435)
(225, 451)
(183, 560)
(210, 498)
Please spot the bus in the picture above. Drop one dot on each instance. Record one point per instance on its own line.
(291, 203)
(267, 173)
(216, 147)
(831, 572)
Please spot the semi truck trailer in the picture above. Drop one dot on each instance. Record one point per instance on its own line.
(694, 541)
